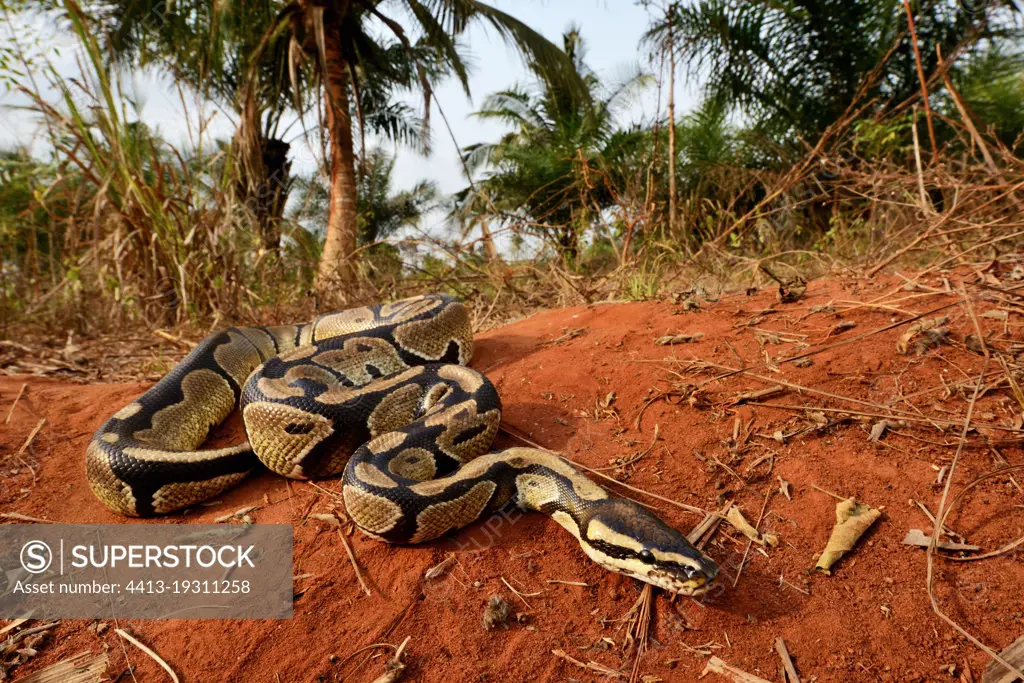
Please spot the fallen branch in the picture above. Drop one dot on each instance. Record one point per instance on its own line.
(15, 404)
(717, 666)
(153, 655)
(943, 513)
(590, 666)
(787, 661)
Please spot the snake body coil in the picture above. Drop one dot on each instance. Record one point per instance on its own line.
(382, 394)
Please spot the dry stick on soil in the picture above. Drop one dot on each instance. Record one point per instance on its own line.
(31, 436)
(513, 432)
(787, 661)
(1009, 546)
(735, 371)
(907, 417)
(716, 665)
(916, 537)
(701, 534)
(569, 583)
(757, 527)
(26, 518)
(635, 458)
(13, 625)
(928, 513)
(639, 629)
(355, 564)
(521, 596)
(154, 656)
(13, 639)
(590, 666)
(24, 447)
(844, 342)
(374, 646)
(827, 492)
(15, 404)
(896, 414)
(395, 666)
(942, 514)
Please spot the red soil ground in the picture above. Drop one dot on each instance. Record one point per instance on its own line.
(869, 621)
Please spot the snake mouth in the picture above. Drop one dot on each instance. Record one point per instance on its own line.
(691, 584)
(696, 586)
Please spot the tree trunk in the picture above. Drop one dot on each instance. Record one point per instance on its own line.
(337, 269)
(671, 129)
(263, 184)
(489, 249)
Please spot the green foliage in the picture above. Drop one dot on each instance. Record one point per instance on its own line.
(992, 85)
(549, 171)
(382, 212)
(795, 66)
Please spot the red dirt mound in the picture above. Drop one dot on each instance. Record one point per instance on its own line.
(577, 380)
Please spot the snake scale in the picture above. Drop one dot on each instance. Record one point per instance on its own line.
(381, 394)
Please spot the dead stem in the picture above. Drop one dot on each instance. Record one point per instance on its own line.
(942, 514)
(355, 564)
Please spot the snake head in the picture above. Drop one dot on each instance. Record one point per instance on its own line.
(624, 537)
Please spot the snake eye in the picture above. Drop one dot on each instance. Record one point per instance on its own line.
(647, 556)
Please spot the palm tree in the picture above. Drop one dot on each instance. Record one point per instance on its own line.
(548, 172)
(208, 46)
(336, 40)
(992, 85)
(382, 211)
(795, 66)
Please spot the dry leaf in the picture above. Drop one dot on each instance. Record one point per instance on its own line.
(736, 518)
(916, 537)
(935, 325)
(997, 314)
(331, 520)
(765, 337)
(784, 488)
(879, 428)
(852, 520)
(792, 291)
(839, 328)
(671, 339)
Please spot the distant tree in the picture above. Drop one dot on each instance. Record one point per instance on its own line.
(992, 85)
(382, 211)
(335, 40)
(544, 172)
(794, 66)
(209, 47)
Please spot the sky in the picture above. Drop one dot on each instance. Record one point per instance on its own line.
(611, 28)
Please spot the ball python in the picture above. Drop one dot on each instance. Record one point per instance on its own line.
(381, 394)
